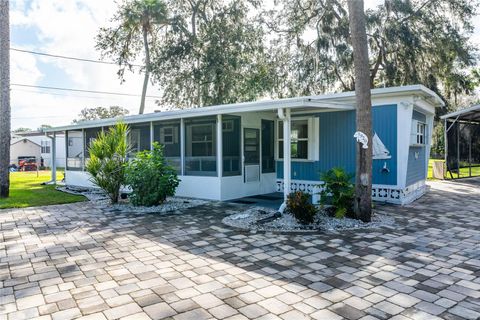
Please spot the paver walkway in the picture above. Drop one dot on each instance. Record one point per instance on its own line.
(68, 261)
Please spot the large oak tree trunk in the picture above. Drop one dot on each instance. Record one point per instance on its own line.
(4, 98)
(363, 183)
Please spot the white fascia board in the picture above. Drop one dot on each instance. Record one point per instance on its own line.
(257, 106)
(460, 112)
(336, 101)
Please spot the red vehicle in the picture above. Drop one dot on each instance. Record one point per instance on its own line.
(27, 164)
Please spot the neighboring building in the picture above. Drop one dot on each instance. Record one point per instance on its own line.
(231, 151)
(22, 148)
(46, 147)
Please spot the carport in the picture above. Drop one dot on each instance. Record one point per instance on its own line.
(462, 143)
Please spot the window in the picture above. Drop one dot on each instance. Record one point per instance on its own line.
(231, 147)
(299, 139)
(200, 147)
(75, 150)
(45, 146)
(90, 135)
(227, 125)
(202, 140)
(139, 138)
(420, 133)
(419, 130)
(268, 142)
(167, 134)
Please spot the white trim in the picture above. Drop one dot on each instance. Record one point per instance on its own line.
(313, 153)
(404, 123)
(151, 135)
(460, 112)
(415, 134)
(287, 165)
(219, 150)
(182, 146)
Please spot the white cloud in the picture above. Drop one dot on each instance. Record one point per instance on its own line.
(66, 27)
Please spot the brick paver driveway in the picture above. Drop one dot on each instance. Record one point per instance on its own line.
(77, 260)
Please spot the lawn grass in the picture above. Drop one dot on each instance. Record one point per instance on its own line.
(26, 191)
(464, 172)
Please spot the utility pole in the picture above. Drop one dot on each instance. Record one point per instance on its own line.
(4, 99)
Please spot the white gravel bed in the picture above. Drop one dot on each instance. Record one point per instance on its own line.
(171, 205)
(250, 220)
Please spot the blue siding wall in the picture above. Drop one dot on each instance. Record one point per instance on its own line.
(416, 166)
(337, 145)
(419, 116)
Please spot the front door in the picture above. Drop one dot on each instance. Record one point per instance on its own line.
(251, 154)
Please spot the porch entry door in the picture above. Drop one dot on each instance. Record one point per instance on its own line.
(251, 155)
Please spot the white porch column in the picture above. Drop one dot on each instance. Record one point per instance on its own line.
(182, 146)
(219, 146)
(53, 158)
(287, 163)
(151, 136)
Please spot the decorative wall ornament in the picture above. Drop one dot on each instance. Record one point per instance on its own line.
(379, 149)
(362, 138)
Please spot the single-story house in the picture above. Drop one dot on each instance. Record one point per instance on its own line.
(45, 143)
(22, 148)
(236, 150)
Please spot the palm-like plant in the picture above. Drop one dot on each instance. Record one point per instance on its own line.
(338, 191)
(108, 156)
(138, 23)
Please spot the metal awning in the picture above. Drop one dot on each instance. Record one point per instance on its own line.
(471, 114)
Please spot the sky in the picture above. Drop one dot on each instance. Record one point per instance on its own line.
(69, 27)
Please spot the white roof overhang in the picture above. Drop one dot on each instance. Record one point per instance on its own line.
(328, 102)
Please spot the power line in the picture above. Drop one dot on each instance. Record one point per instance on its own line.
(47, 117)
(69, 58)
(68, 95)
(81, 90)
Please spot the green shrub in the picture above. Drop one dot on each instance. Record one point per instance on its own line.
(150, 178)
(338, 191)
(298, 205)
(108, 155)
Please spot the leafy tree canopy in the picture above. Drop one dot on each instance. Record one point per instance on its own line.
(21, 130)
(206, 52)
(100, 113)
(215, 54)
(417, 41)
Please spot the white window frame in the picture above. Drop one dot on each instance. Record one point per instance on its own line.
(419, 133)
(212, 141)
(227, 125)
(45, 146)
(313, 139)
(163, 135)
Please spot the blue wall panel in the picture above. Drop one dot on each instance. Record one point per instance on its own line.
(419, 116)
(385, 125)
(416, 166)
(337, 145)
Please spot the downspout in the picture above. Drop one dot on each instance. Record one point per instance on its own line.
(284, 115)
